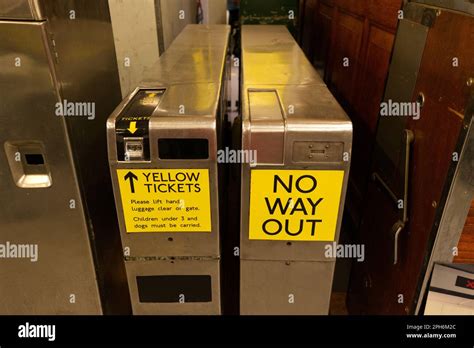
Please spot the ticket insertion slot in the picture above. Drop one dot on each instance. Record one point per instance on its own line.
(132, 126)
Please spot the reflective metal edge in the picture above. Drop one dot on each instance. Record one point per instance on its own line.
(457, 203)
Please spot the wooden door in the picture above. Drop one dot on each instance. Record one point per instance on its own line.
(378, 286)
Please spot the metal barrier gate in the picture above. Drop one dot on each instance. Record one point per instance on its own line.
(163, 140)
(58, 230)
(292, 196)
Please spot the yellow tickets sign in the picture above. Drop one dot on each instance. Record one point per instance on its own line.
(165, 200)
(295, 205)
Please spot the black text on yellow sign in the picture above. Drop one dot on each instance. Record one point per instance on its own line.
(298, 205)
(165, 200)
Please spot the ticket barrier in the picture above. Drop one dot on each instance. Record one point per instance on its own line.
(293, 189)
(59, 245)
(163, 141)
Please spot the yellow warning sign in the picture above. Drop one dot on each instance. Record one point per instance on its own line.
(300, 205)
(165, 200)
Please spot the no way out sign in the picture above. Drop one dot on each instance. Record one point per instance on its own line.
(301, 205)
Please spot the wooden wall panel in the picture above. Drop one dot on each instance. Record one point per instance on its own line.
(307, 35)
(322, 35)
(384, 13)
(348, 39)
(356, 7)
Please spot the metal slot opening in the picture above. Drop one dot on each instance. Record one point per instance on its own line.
(134, 149)
(174, 288)
(28, 164)
(183, 148)
(34, 159)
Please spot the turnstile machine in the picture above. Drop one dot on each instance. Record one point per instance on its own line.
(163, 140)
(292, 194)
(58, 84)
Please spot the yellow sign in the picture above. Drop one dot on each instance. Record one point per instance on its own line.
(297, 205)
(165, 200)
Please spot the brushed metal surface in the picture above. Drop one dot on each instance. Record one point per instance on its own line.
(21, 9)
(272, 56)
(285, 288)
(191, 70)
(40, 216)
(267, 125)
(316, 117)
(271, 60)
(408, 51)
(85, 63)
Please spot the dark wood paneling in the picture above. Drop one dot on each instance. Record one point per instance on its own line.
(384, 13)
(347, 43)
(436, 134)
(356, 7)
(310, 11)
(322, 35)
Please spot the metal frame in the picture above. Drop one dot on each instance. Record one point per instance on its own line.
(458, 195)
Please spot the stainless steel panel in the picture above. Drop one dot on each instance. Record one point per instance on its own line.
(40, 216)
(317, 117)
(191, 70)
(193, 56)
(192, 74)
(272, 56)
(267, 125)
(317, 135)
(21, 9)
(174, 267)
(285, 287)
(90, 74)
(408, 51)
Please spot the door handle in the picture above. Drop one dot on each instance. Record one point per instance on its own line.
(400, 224)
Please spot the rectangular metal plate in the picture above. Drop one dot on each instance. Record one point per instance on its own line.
(267, 126)
(284, 288)
(317, 151)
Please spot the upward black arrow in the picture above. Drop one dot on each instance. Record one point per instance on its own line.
(130, 176)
